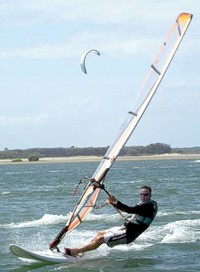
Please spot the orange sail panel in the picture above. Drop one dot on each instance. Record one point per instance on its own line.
(83, 207)
(154, 76)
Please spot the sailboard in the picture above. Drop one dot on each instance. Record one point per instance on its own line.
(154, 77)
(47, 256)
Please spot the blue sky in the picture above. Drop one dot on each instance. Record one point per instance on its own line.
(47, 101)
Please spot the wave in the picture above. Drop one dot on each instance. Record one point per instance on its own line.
(6, 193)
(52, 219)
(179, 231)
(47, 219)
(19, 172)
(161, 214)
(182, 231)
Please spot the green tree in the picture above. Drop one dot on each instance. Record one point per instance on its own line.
(33, 158)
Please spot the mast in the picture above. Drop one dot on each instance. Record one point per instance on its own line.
(154, 77)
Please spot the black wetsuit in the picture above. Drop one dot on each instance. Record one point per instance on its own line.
(144, 213)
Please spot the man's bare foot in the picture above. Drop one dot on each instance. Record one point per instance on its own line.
(73, 252)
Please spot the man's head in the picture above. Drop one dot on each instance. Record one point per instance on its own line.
(145, 193)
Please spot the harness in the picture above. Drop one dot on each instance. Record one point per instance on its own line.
(144, 220)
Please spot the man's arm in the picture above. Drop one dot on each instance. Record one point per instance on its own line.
(123, 207)
(128, 209)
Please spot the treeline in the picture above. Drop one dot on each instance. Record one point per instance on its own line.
(152, 149)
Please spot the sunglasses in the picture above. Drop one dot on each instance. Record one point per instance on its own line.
(144, 194)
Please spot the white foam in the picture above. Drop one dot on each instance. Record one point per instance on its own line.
(51, 219)
(182, 231)
(197, 161)
(47, 219)
(161, 214)
(5, 193)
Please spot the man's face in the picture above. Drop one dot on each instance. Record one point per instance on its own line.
(145, 195)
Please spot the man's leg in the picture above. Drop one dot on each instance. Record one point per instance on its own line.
(94, 244)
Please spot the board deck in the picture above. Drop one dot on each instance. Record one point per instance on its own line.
(47, 256)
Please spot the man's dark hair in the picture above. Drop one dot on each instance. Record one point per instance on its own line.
(146, 187)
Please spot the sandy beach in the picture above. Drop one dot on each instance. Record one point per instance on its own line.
(96, 158)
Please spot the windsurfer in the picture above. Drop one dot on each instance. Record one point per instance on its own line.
(143, 215)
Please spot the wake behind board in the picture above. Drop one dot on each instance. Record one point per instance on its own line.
(48, 256)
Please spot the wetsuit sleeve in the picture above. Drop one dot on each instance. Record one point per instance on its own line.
(128, 209)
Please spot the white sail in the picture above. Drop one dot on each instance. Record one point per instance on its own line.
(155, 75)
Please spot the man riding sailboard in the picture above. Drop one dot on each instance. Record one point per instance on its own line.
(145, 211)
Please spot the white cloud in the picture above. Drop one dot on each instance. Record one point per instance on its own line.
(115, 27)
(6, 120)
(69, 50)
(106, 13)
(114, 44)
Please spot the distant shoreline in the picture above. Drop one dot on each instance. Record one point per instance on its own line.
(96, 158)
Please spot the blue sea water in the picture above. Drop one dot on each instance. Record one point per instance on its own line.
(36, 200)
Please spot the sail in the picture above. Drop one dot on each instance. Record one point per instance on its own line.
(155, 74)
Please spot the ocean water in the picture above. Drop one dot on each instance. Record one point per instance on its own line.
(35, 201)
